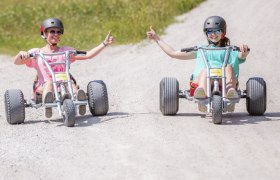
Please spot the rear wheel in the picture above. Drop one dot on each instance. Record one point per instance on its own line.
(217, 109)
(97, 98)
(14, 106)
(69, 113)
(169, 96)
(256, 96)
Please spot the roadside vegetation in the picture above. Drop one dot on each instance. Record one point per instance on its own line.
(86, 22)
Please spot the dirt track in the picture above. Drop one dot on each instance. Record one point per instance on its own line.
(134, 141)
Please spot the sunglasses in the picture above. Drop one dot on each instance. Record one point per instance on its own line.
(55, 32)
(218, 32)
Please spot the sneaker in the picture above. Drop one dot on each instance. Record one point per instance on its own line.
(232, 94)
(231, 107)
(81, 96)
(199, 93)
(48, 99)
(202, 107)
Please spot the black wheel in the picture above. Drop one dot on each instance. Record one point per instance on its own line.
(217, 109)
(169, 96)
(97, 98)
(14, 106)
(256, 96)
(69, 113)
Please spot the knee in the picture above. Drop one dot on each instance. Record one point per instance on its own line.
(203, 73)
(229, 71)
(229, 68)
(48, 84)
(201, 79)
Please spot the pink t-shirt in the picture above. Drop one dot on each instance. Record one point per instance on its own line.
(41, 68)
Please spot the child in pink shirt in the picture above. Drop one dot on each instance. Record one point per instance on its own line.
(52, 30)
(43, 74)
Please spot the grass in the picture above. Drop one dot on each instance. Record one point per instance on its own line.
(86, 22)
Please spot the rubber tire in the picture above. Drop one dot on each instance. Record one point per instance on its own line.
(256, 96)
(14, 106)
(169, 96)
(217, 109)
(97, 98)
(69, 113)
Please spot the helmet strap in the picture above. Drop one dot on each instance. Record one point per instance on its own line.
(214, 43)
(49, 43)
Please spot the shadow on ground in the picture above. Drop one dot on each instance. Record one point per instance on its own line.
(245, 118)
(83, 121)
(88, 120)
(237, 118)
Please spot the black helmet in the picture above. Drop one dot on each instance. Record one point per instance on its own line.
(49, 23)
(215, 22)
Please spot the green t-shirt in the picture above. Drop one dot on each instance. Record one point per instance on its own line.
(215, 60)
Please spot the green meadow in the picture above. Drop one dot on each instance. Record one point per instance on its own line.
(86, 22)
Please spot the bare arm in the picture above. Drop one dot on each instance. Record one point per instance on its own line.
(22, 58)
(95, 51)
(168, 49)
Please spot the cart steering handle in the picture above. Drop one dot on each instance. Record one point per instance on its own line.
(74, 52)
(195, 48)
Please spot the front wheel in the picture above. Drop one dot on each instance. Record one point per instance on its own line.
(69, 113)
(217, 109)
(14, 106)
(97, 98)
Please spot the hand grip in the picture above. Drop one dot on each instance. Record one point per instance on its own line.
(189, 49)
(236, 48)
(82, 52)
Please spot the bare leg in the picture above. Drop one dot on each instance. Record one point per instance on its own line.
(201, 79)
(231, 83)
(47, 87)
(81, 96)
(75, 89)
(200, 92)
(231, 80)
(47, 92)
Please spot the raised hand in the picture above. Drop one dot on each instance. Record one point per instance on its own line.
(109, 39)
(243, 51)
(152, 34)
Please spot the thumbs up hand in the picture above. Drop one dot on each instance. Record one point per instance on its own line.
(109, 39)
(152, 34)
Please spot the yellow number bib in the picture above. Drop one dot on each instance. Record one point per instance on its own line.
(216, 72)
(61, 77)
